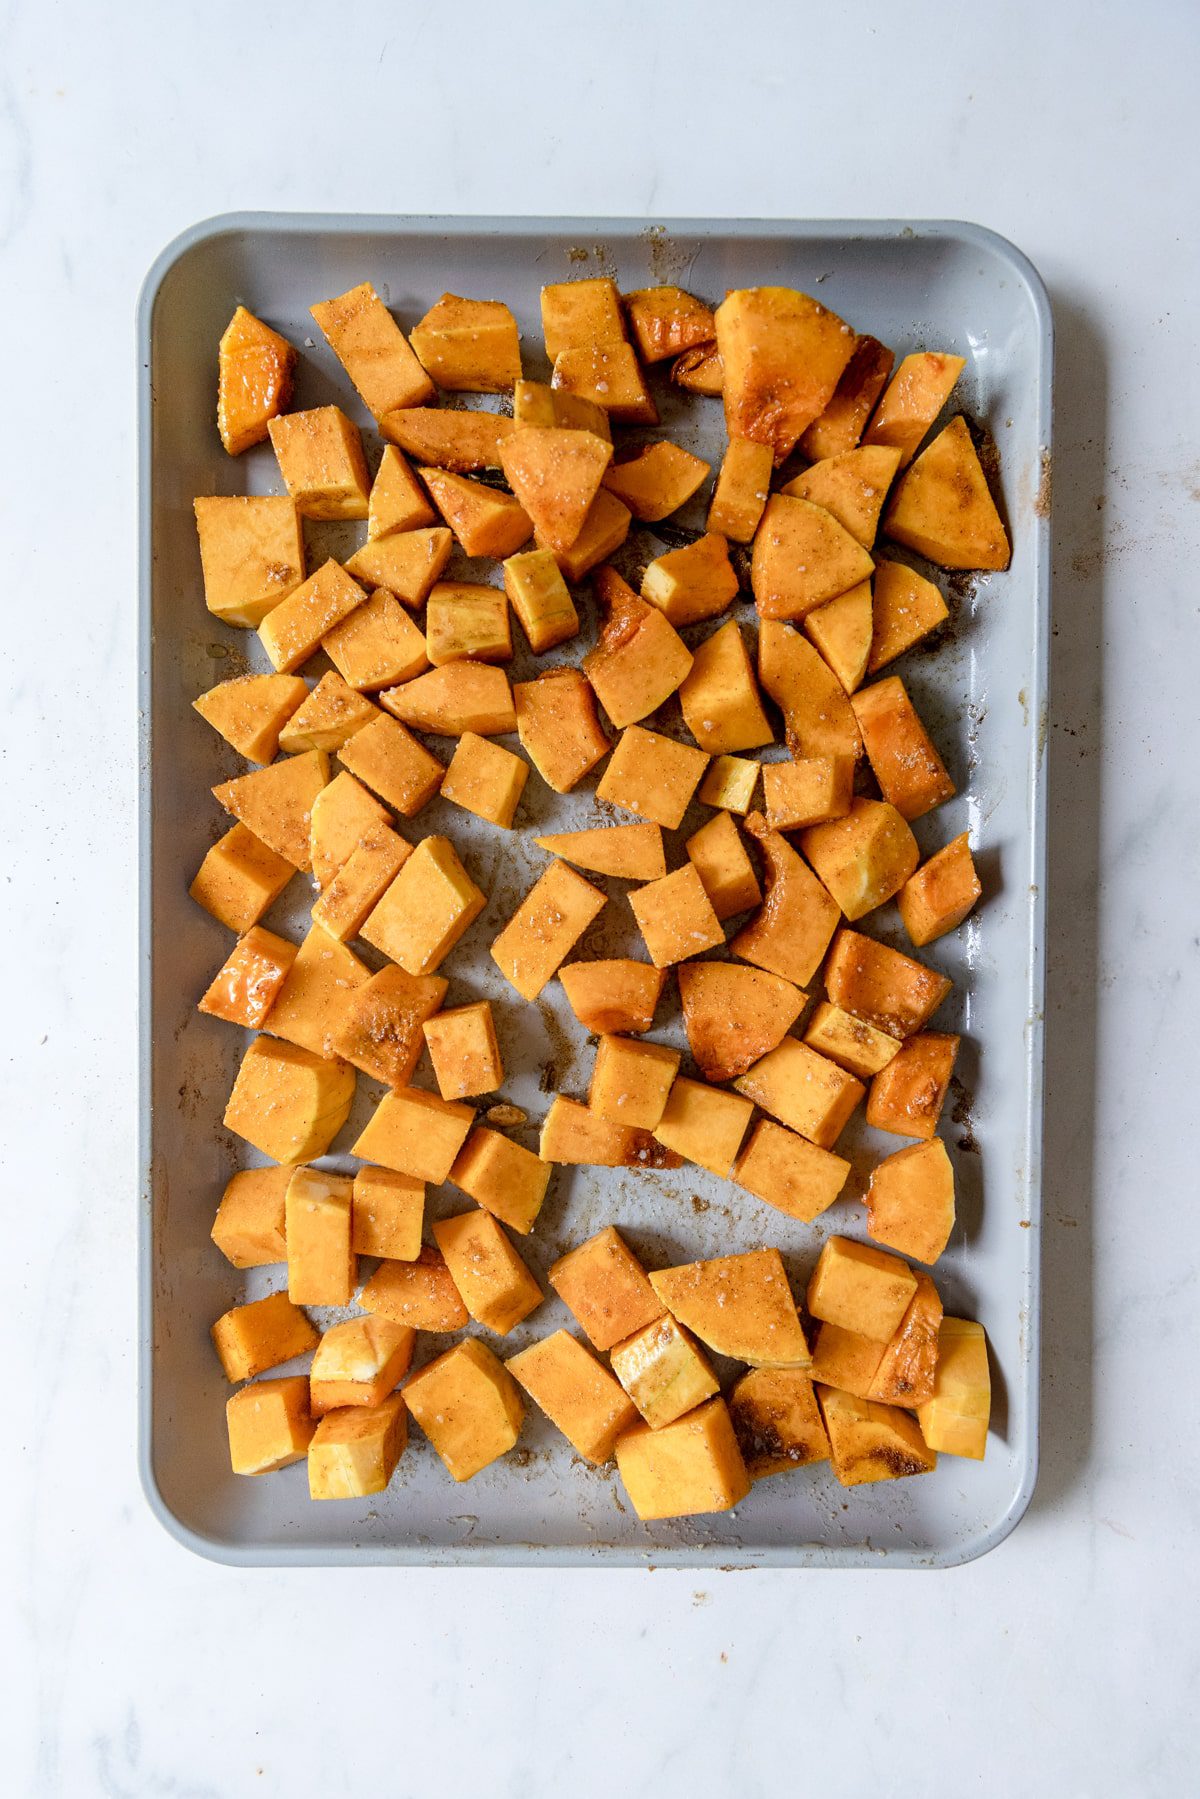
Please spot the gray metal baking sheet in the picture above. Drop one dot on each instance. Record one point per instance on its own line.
(982, 686)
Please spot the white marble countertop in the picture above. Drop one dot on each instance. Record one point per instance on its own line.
(1062, 1663)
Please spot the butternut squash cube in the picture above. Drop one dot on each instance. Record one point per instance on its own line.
(692, 584)
(894, 992)
(720, 701)
(463, 1049)
(700, 370)
(541, 599)
(468, 1405)
(254, 380)
(734, 1015)
(783, 353)
(447, 436)
(693, 1465)
(485, 779)
(844, 1360)
(249, 1228)
(322, 1267)
(870, 1442)
(704, 1124)
(729, 781)
(321, 460)
(915, 395)
(467, 621)
(250, 1339)
(907, 1096)
(359, 1362)
(942, 506)
(469, 346)
(841, 629)
(666, 321)
(427, 908)
(276, 803)
(676, 917)
(864, 858)
(617, 994)
(576, 314)
(386, 1214)
(802, 558)
(851, 487)
(406, 563)
(788, 1172)
(455, 699)
(606, 1289)
(910, 1200)
(505, 1179)
(343, 815)
(246, 986)
(652, 775)
(387, 757)
(311, 1005)
(860, 1288)
(791, 932)
(577, 1394)
(939, 896)
(380, 1029)
(484, 521)
(576, 1135)
(250, 711)
(777, 1421)
(539, 936)
(537, 403)
(287, 1102)
(373, 350)
(378, 645)
(955, 1419)
(610, 376)
(361, 882)
(269, 1425)
(844, 419)
(630, 852)
(558, 726)
(604, 530)
(743, 487)
(851, 1042)
(416, 1133)
(328, 718)
(555, 472)
(911, 774)
(355, 1451)
(398, 502)
(803, 1091)
(907, 1369)
(251, 553)
(656, 480)
(740, 1306)
(719, 857)
(640, 659)
(631, 1080)
(497, 1288)
(807, 790)
(663, 1371)
(292, 630)
(905, 608)
(818, 717)
(419, 1293)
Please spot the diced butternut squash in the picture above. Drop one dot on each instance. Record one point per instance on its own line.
(676, 917)
(802, 558)
(250, 711)
(615, 994)
(254, 380)
(700, 371)
(804, 1091)
(537, 403)
(311, 1005)
(387, 1211)
(777, 1421)
(663, 1371)
(718, 855)
(605, 1288)
(485, 779)
(911, 774)
(577, 1394)
(269, 1424)
(791, 932)
(720, 701)
(640, 659)
(467, 621)
(388, 759)
(906, 1371)
(322, 1267)
(610, 376)
(742, 489)
(419, 1293)
(292, 631)
(359, 1362)
(870, 1442)
(846, 1360)
(631, 1080)
(343, 815)
(915, 395)
(246, 986)
(938, 897)
(740, 1306)
(276, 803)
(910, 1200)
(558, 726)
(955, 1420)
(468, 1405)
(905, 608)
(851, 487)
(908, 1095)
(398, 502)
(373, 350)
(541, 599)
(841, 630)
(729, 782)
(844, 419)
(851, 1042)
(555, 473)
(734, 1015)
(380, 1031)
(469, 346)
(665, 321)
(328, 718)
(484, 521)
(807, 790)
(288, 1102)
(818, 717)
(894, 992)
(360, 884)
(249, 1229)
(704, 1124)
(578, 313)
(631, 852)
(251, 553)
(505, 1179)
(378, 645)
(250, 1339)
(652, 775)
(788, 1172)
(449, 701)
(692, 584)
(496, 1286)
(576, 1135)
(942, 506)
(427, 908)
(860, 1288)
(407, 563)
(656, 480)
(604, 530)
(864, 858)
(321, 460)
(693, 1465)
(447, 436)
(463, 1049)
(539, 936)
(355, 1450)
(416, 1133)
(783, 353)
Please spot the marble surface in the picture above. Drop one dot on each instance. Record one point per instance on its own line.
(1063, 1662)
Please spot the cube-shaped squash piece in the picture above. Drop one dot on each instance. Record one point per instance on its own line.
(870, 1442)
(652, 775)
(355, 1451)
(610, 376)
(269, 1424)
(576, 1135)
(915, 395)
(911, 774)
(361, 883)
(321, 460)
(693, 1465)
(791, 932)
(251, 553)
(378, 645)
(720, 701)
(427, 908)
(469, 346)
(497, 1288)
(905, 608)
(844, 419)
(942, 506)
(842, 629)
(250, 711)
(777, 1421)
(239, 878)
(249, 1228)
(467, 621)
(389, 760)
(247, 985)
(700, 370)
(419, 1293)
(485, 779)
(605, 1287)
(692, 583)
(740, 1306)
(327, 718)
(252, 1338)
(541, 599)
(613, 994)
(631, 852)
(455, 699)
(254, 380)
(631, 1080)
(851, 487)
(416, 1133)
(577, 1394)
(539, 936)
(783, 354)
(907, 1369)
(704, 1124)
(729, 782)
(802, 558)
(579, 313)
(448, 436)
(888, 989)
(407, 563)
(603, 531)
(955, 1420)
(555, 474)
(311, 1005)
(860, 1288)
(537, 403)
(910, 1201)
(468, 1405)
(851, 1042)
(864, 858)
(292, 631)
(788, 1172)
(676, 917)
(734, 1015)
(656, 480)
(665, 321)
(807, 790)
(938, 897)
(742, 489)
(718, 855)
(398, 501)
(640, 659)
(359, 1362)
(343, 815)
(380, 1028)
(463, 1049)
(664, 1371)
(387, 1211)
(846, 1360)
(287, 1102)
(803, 1090)
(817, 715)
(907, 1095)
(322, 1267)
(558, 726)
(373, 350)
(505, 1179)
(484, 521)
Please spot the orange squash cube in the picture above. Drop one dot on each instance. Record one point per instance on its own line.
(388, 759)
(911, 774)
(576, 1135)
(254, 380)
(954, 1421)
(907, 1095)
(676, 917)
(656, 480)
(734, 1015)
(742, 489)
(541, 599)
(556, 474)
(842, 630)
(783, 354)
(807, 790)
(398, 502)
(250, 711)
(359, 1362)
(406, 563)
(497, 1288)
(576, 314)
(484, 521)
(322, 1267)
(378, 645)
(250, 1339)
(777, 1421)
(870, 1442)
(354, 1451)
(943, 508)
(321, 460)
(891, 991)
(485, 779)
(640, 659)
(276, 803)
(692, 584)
(851, 1042)
(791, 933)
(537, 403)
(558, 726)
(610, 376)
(693, 1465)
(863, 858)
(327, 718)
(360, 884)
(718, 855)
(664, 1371)
(652, 775)
(818, 717)
(539, 936)
(803, 1091)
(416, 1133)
(704, 1124)
(740, 1306)
(287, 1102)
(249, 1229)
(505, 1179)
(427, 908)
(907, 1369)
(467, 621)
(419, 1293)
(312, 1002)
(905, 608)
(463, 1049)
(915, 395)
(373, 350)
(729, 782)
(251, 554)
(851, 487)
(468, 1405)
(386, 1213)
(245, 988)
(938, 897)
(846, 1360)
(605, 1288)
(469, 346)
(613, 994)
(454, 699)
(577, 1394)
(860, 1288)
(631, 1080)
(802, 558)
(448, 436)
(700, 370)
(380, 1028)
(844, 419)
(604, 530)
(343, 815)
(292, 631)
(788, 1172)
(910, 1201)
(269, 1425)
(665, 321)
(720, 701)
(630, 852)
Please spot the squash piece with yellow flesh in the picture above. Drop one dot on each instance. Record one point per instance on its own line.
(863, 858)
(841, 630)
(783, 354)
(497, 1288)
(663, 1371)
(577, 1394)
(468, 1405)
(322, 462)
(469, 346)
(954, 1420)
(484, 521)
(604, 1287)
(740, 1306)
(276, 803)
(693, 583)
(541, 599)
(251, 554)
(705, 1124)
(851, 487)
(287, 1102)
(942, 506)
(802, 558)
(250, 711)
(652, 775)
(536, 403)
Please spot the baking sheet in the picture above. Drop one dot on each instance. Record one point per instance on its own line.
(982, 688)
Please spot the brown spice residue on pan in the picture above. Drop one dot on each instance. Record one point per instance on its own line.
(960, 1114)
(1044, 497)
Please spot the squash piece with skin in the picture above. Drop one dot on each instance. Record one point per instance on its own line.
(700, 371)
(843, 421)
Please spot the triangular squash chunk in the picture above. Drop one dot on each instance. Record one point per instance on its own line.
(329, 717)
(852, 487)
(841, 630)
(407, 563)
(276, 803)
(555, 474)
(250, 711)
(791, 932)
(802, 557)
(943, 509)
(254, 380)
(741, 1306)
(733, 1015)
(632, 852)
(818, 717)
(398, 502)
(485, 522)
(458, 697)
